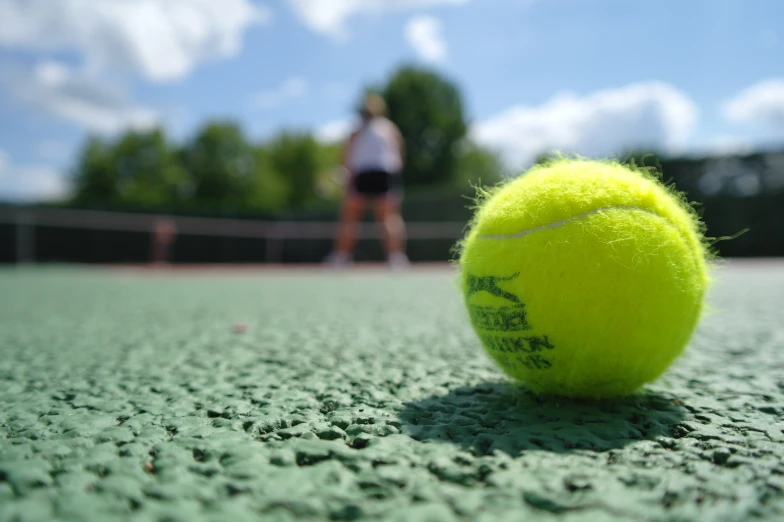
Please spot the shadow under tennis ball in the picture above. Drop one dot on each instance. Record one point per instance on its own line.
(505, 417)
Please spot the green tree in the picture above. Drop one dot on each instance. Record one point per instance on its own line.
(477, 165)
(147, 169)
(270, 191)
(330, 179)
(95, 178)
(428, 109)
(139, 168)
(297, 158)
(222, 166)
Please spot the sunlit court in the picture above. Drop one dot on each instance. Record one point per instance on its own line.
(437, 260)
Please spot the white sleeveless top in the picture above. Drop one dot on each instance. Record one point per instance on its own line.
(375, 147)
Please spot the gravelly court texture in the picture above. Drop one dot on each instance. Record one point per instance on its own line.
(128, 395)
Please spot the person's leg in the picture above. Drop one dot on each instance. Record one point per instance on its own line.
(394, 229)
(351, 212)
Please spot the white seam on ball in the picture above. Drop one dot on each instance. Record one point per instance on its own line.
(557, 224)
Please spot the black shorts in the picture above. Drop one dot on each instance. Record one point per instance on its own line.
(376, 183)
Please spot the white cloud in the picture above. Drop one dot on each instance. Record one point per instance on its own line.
(336, 130)
(652, 115)
(424, 33)
(78, 97)
(763, 103)
(29, 183)
(329, 16)
(160, 40)
(726, 145)
(290, 89)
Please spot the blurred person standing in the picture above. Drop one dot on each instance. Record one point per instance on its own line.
(164, 233)
(373, 159)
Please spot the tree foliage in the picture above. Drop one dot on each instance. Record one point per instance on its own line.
(220, 168)
(221, 164)
(95, 180)
(477, 165)
(139, 167)
(296, 157)
(147, 169)
(428, 109)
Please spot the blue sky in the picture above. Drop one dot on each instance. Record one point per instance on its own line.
(587, 76)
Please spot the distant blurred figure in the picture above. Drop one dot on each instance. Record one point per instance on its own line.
(163, 234)
(373, 158)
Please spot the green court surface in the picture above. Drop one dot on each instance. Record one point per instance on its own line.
(361, 395)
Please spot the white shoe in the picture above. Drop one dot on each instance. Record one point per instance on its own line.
(398, 261)
(338, 259)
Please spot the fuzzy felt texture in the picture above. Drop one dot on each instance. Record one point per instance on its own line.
(584, 278)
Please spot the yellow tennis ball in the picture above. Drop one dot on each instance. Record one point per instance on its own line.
(584, 278)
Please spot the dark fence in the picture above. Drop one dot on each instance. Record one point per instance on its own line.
(82, 236)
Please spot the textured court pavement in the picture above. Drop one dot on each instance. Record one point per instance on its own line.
(129, 395)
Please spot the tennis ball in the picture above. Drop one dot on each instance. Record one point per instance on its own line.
(584, 278)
